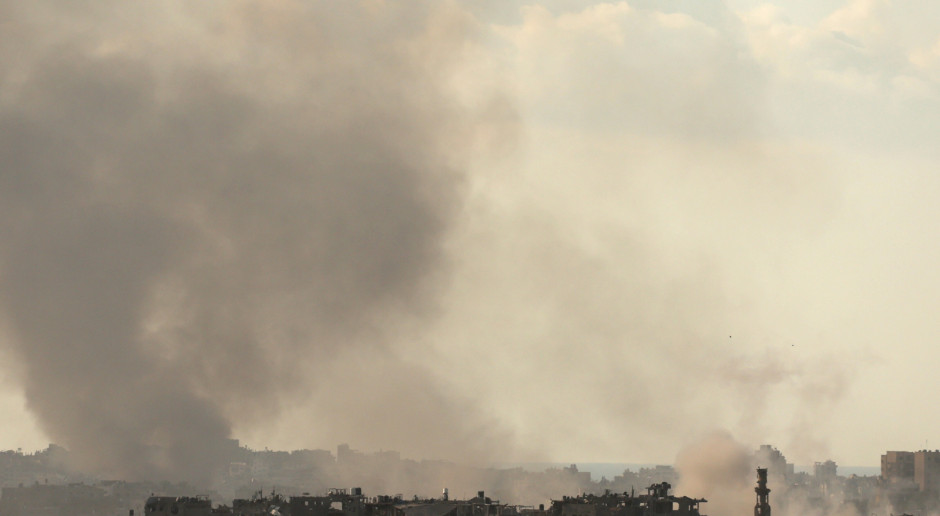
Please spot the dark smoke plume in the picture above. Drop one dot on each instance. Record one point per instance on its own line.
(203, 204)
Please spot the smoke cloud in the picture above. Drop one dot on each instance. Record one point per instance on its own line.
(203, 223)
(283, 222)
(638, 248)
(720, 469)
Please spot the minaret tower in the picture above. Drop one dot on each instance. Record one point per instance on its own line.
(762, 508)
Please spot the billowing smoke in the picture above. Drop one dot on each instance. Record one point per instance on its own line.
(719, 469)
(269, 221)
(197, 220)
(722, 470)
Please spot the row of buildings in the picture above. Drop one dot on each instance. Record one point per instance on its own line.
(101, 498)
(909, 483)
(906, 470)
(120, 499)
(36, 483)
(657, 501)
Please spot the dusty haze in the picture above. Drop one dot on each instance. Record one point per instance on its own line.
(568, 231)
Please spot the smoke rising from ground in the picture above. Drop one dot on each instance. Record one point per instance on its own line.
(719, 469)
(722, 469)
(271, 221)
(201, 223)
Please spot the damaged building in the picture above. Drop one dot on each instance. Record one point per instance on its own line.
(657, 501)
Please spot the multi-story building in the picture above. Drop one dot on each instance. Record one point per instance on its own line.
(775, 462)
(825, 472)
(897, 467)
(927, 470)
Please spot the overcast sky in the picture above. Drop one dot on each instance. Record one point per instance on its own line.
(566, 231)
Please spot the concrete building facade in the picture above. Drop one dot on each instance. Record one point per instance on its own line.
(927, 470)
(897, 467)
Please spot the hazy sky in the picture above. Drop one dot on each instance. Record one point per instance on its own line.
(567, 230)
